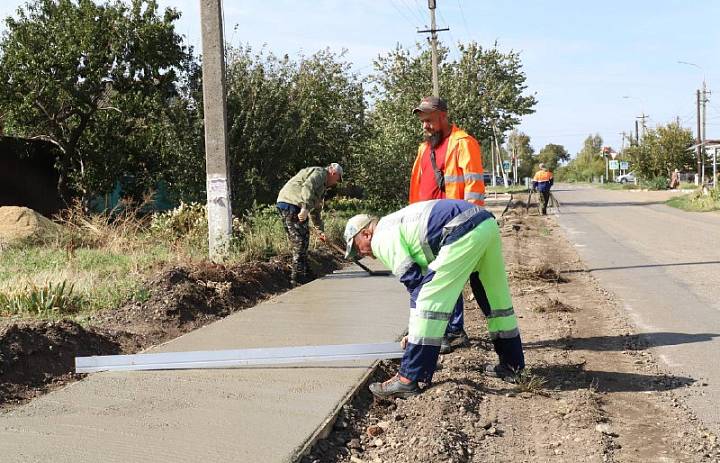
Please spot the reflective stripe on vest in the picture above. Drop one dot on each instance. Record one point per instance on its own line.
(472, 195)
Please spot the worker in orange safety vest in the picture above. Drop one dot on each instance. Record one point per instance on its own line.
(542, 182)
(448, 165)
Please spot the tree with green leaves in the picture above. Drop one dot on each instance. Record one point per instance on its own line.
(587, 164)
(484, 88)
(284, 115)
(661, 150)
(552, 155)
(95, 80)
(518, 145)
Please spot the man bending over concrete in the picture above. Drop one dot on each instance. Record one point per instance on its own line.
(434, 247)
(300, 198)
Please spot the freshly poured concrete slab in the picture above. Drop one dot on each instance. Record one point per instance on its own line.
(255, 414)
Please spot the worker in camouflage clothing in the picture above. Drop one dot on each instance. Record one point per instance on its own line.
(300, 198)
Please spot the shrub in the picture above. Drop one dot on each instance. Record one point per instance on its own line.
(183, 220)
(44, 301)
(656, 183)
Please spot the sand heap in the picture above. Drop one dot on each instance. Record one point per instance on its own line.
(20, 223)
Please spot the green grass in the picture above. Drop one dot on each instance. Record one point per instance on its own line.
(697, 201)
(513, 189)
(48, 301)
(618, 186)
(102, 263)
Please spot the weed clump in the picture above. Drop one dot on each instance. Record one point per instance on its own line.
(46, 301)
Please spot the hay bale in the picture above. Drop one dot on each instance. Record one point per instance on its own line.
(19, 224)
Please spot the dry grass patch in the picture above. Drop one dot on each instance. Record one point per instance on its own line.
(542, 272)
(553, 305)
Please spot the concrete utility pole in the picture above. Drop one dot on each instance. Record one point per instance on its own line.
(219, 210)
(642, 118)
(698, 151)
(433, 45)
(704, 124)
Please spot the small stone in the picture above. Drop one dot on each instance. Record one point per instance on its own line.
(384, 425)
(340, 424)
(354, 459)
(354, 444)
(605, 428)
(379, 442)
(374, 430)
(492, 431)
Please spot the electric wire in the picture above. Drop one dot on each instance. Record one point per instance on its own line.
(412, 7)
(462, 15)
(400, 12)
(453, 44)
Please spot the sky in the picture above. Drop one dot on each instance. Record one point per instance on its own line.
(593, 66)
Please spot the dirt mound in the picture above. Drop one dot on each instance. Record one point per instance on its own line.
(20, 223)
(184, 298)
(35, 354)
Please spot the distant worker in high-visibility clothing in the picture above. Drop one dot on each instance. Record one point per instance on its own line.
(448, 165)
(542, 182)
(434, 247)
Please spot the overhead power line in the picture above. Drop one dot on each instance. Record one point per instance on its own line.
(462, 15)
(401, 13)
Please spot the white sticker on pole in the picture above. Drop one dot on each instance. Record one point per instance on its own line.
(217, 187)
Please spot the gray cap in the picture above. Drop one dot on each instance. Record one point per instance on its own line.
(430, 104)
(338, 168)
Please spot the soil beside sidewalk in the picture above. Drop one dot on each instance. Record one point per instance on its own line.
(592, 391)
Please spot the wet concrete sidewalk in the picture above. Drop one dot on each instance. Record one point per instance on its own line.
(239, 415)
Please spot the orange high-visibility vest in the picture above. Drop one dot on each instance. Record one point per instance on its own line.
(543, 176)
(463, 169)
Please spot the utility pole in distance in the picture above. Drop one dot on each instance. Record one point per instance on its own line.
(703, 137)
(433, 46)
(642, 118)
(219, 210)
(698, 151)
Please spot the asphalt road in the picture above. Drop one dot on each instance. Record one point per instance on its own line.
(664, 266)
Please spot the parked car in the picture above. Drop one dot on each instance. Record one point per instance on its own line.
(626, 178)
(487, 178)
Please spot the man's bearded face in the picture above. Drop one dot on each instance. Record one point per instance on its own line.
(433, 124)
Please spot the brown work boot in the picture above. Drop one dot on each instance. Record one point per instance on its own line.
(393, 388)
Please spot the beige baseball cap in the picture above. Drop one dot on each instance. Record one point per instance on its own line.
(353, 227)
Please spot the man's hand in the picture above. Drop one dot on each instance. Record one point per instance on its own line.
(322, 237)
(303, 215)
(403, 342)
